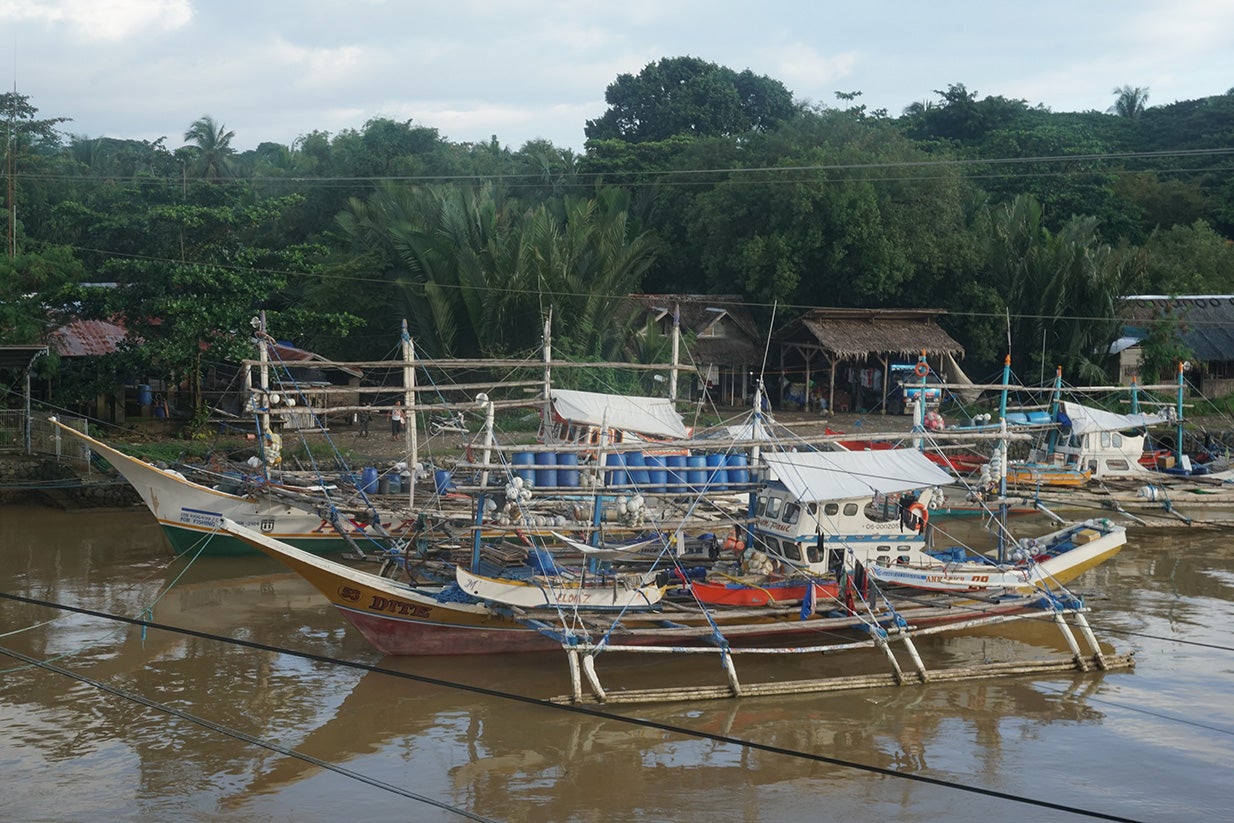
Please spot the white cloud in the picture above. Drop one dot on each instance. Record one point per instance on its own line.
(101, 19)
(805, 71)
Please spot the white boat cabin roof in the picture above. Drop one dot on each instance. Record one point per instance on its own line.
(1085, 419)
(653, 416)
(822, 476)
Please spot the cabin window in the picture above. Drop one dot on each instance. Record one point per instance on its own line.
(773, 507)
(831, 509)
(792, 551)
(1118, 440)
(883, 559)
(1117, 465)
(813, 553)
(762, 506)
(811, 509)
(850, 509)
(1105, 440)
(791, 513)
(903, 560)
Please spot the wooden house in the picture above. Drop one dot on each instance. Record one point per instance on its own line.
(723, 342)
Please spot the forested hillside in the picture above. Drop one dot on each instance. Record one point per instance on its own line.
(697, 178)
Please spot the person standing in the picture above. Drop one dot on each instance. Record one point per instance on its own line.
(396, 420)
(366, 414)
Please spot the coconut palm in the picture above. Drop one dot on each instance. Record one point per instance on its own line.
(211, 147)
(1130, 102)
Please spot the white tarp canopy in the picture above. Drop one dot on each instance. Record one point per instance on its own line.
(818, 476)
(1085, 419)
(643, 415)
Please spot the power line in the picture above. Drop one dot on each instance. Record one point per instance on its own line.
(583, 710)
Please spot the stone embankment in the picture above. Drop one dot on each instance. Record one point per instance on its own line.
(44, 481)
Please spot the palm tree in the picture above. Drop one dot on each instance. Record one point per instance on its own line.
(212, 148)
(1130, 102)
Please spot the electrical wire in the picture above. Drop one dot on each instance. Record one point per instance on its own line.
(581, 710)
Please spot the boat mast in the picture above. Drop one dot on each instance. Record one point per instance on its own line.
(409, 403)
(548, 371)
(672, 379)
(1056, 404)
(923, 369)
(482, 497)
(1182, 367)
(1002, 463)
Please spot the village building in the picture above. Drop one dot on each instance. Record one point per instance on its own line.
(1202, 323)
(843, 357)
(723, 345)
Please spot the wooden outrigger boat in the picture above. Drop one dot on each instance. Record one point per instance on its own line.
(401, 619)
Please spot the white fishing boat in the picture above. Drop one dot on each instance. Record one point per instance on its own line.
(190, 513)
(869, 512)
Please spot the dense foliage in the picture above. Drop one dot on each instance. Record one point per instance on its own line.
(696, 179)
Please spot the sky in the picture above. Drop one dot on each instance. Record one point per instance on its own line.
(273, 70)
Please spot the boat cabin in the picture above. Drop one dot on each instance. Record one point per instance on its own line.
(1104, 444)
(829, 509)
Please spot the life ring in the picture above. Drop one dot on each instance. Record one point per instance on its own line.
(920, 513)
(921, 369)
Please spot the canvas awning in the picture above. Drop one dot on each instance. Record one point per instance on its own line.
(653, 416)
(818, 476)
(1085, 419)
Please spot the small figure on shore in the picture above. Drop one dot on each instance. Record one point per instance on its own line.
(366, 414)
(396, 420)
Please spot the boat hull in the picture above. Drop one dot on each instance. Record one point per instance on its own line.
(1050, 572)
(190, 514)
(399, 620)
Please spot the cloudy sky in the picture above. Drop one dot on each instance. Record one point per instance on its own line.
(275, 70)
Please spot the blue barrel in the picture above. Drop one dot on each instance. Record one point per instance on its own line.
(383, 484)
(717, 475)
(738, 469)
(144, 396)
(442, 481)
(657, 476)
(616, 477)
(525, 459)
(567, 468)
(675, 479)
(546, 474)
(696, 474)
(368, 480)
(636, 465)
(396, 483)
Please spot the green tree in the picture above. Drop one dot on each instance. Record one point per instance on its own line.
(690, 96)
(1192, 259)
(36, 293)
(1061, 289)
(1130, 102)
(211, 152)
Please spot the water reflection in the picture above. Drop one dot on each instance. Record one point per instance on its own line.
(517, 761)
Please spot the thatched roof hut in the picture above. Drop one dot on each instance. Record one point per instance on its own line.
(862, 335)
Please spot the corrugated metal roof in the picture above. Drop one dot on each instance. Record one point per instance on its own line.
(85, 338)
(1205, 322)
